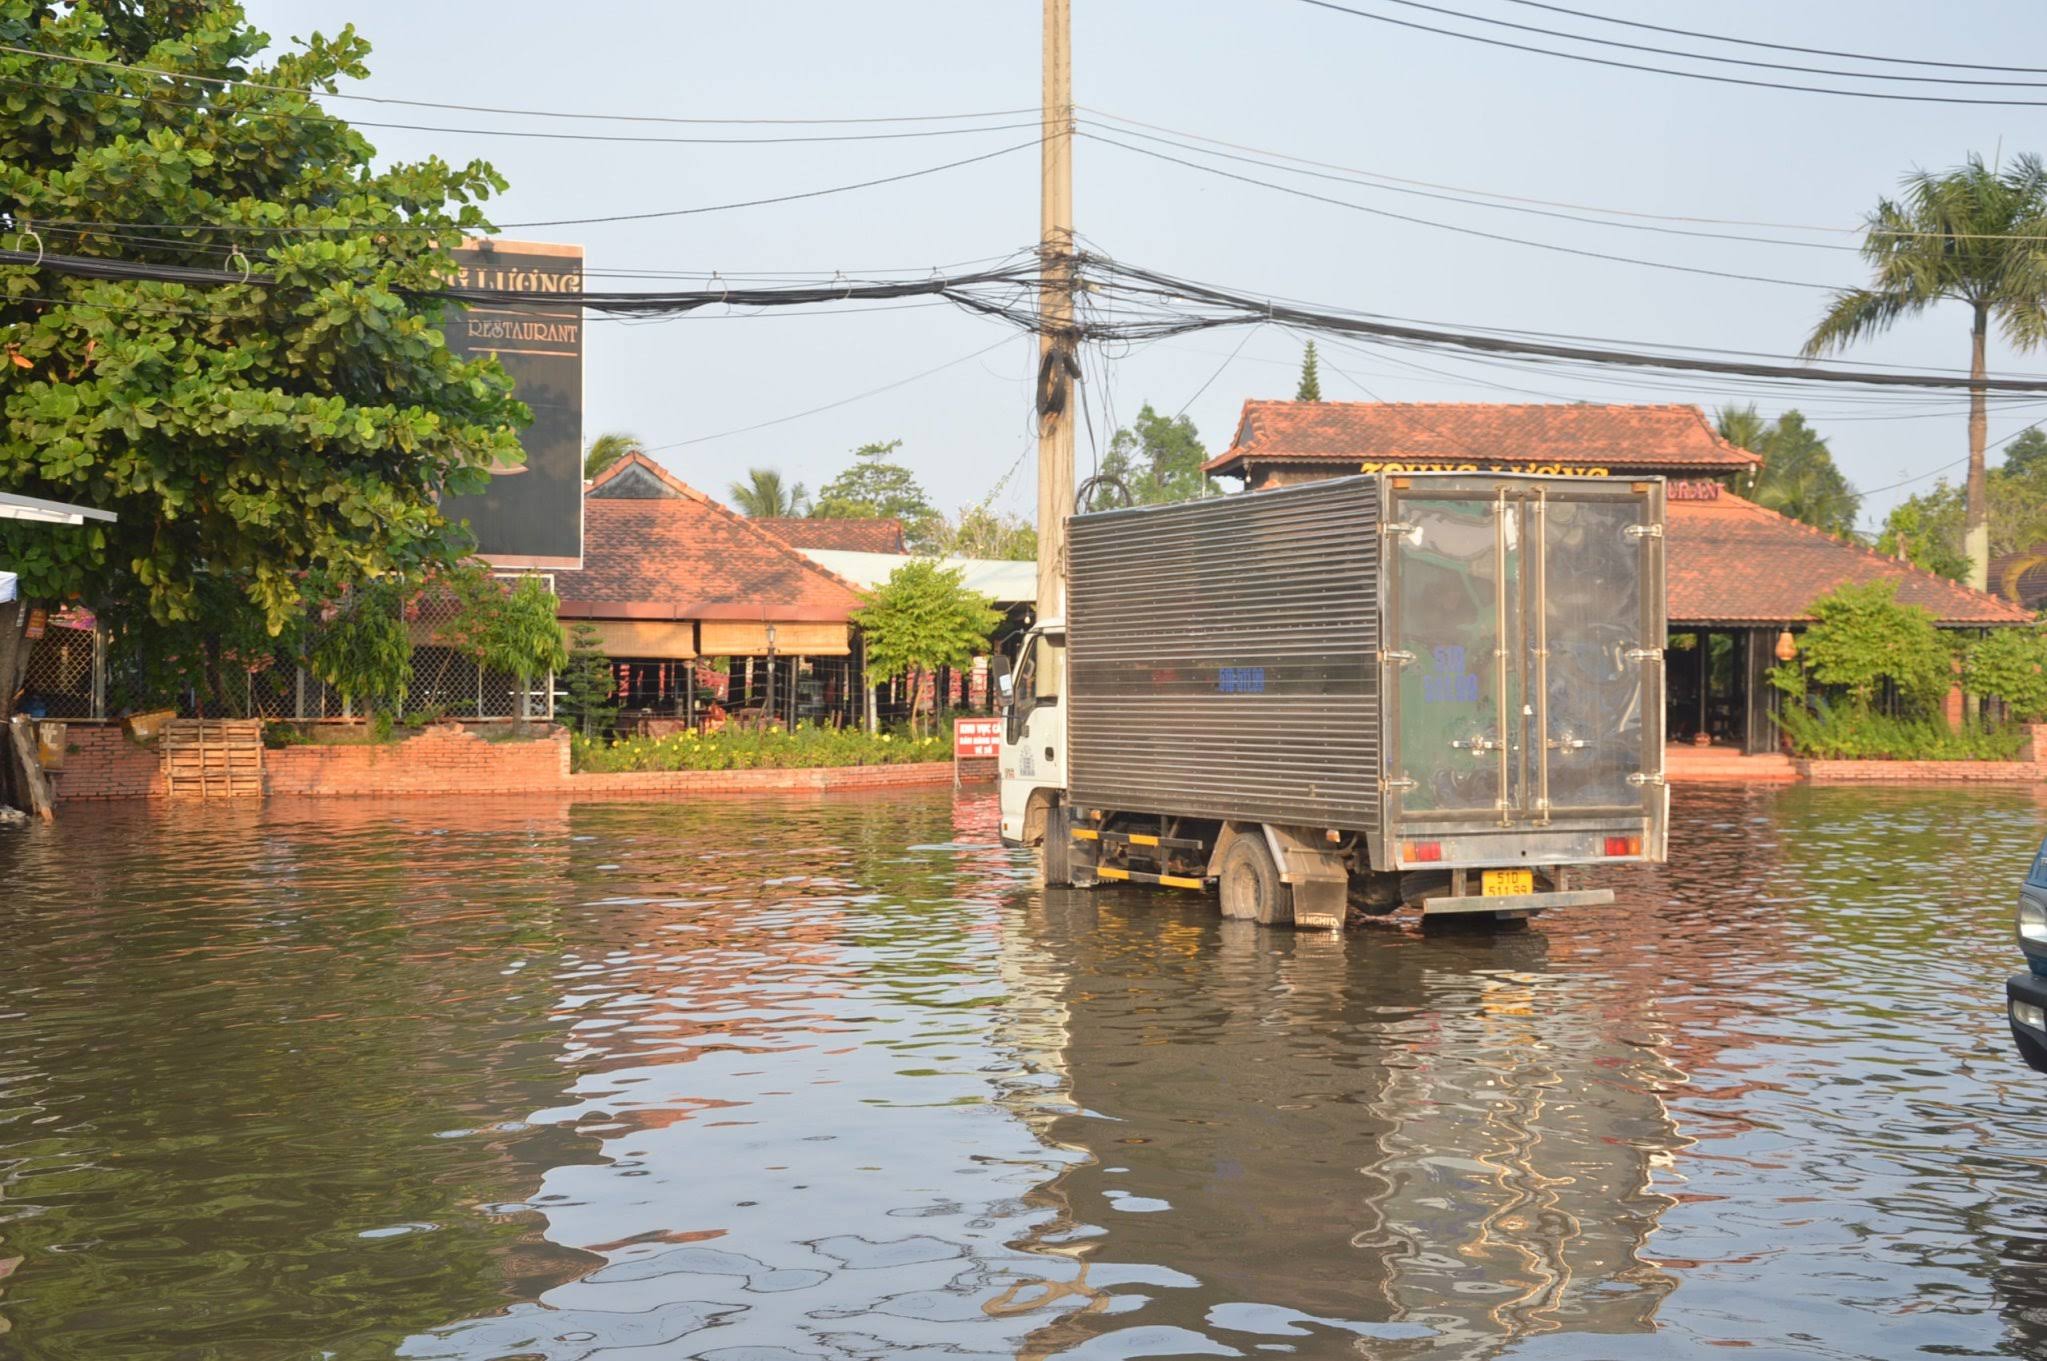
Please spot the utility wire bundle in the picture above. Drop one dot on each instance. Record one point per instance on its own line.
(1117, 302)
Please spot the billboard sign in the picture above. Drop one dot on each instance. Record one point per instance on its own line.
(531, 516)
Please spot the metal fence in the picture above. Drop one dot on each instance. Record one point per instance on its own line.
(68, 674)
(66, 670)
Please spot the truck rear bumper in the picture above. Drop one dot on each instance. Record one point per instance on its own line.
(1518, 902)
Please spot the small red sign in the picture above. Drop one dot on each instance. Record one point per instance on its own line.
(977, 739)
(1692, 490)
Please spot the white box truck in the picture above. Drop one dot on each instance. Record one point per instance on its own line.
(1439, 690)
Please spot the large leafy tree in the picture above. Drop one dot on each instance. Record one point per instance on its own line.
(1157, 459)
(878, 487)
(1927, 529)
(981, 531)
(764, 496)
(1978, 236)
(1798, 477)
(251, 436)
(923, 617)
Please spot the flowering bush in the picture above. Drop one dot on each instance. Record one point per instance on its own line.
(733, 748)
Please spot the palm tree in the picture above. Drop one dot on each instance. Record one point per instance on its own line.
(606, 450)
(1976, 235)
(762, 497)
(1798, 477)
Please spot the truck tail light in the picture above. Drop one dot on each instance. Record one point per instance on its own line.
(1422, 850)
(1624, 845)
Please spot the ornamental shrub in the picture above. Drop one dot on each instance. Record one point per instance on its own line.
(1862, 639)
(774, 748)
(2011, 665)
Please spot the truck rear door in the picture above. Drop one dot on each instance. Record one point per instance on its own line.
(1525, 631)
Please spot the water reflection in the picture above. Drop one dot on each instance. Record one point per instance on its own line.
(832, 1077)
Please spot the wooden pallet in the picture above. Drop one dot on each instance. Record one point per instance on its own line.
(213, 758)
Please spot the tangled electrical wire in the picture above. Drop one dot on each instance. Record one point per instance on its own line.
(1114, 303)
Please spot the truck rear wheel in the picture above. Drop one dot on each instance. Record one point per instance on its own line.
(1250, 885)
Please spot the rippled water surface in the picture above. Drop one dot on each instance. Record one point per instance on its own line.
(836, 1079)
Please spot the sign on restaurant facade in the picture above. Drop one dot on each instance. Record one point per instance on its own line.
(531, 516)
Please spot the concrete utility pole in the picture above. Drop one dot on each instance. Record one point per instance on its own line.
(1058, 356)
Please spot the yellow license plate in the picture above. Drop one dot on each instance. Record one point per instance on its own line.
(1500, 883)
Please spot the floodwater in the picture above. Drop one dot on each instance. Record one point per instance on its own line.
(834, 1078)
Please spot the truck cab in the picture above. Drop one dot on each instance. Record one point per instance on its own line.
(1033, 760)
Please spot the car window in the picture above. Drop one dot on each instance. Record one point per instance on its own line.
(2038, 878)
(1052, 671)
(1025, 687)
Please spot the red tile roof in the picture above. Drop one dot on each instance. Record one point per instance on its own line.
(684, 556)
(1730, 561)
(857, 536)
(1646, 439)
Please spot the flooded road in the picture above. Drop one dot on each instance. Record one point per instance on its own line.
(836, 1079)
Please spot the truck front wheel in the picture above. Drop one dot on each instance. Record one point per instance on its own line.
(1250, 885)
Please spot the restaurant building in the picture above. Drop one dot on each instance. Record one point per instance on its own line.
(1740, 576)
(698, 606)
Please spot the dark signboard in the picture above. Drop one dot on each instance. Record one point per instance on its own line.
(530, 516)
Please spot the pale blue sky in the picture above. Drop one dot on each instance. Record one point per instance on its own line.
(1274, 74)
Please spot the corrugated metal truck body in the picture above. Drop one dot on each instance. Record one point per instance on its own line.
(1442, 672)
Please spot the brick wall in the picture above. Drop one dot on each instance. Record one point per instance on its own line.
(1920, 772)
(102, 762)
(445, 759)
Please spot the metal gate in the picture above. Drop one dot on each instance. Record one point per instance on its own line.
(1524, 629)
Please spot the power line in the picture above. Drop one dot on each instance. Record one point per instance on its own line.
(1358, 178)
(1707, 56)
(1779, 47)
(1663, 70)
(1462, 231)
(533, 134)
(443, 229)
(235, 82)
(830, 406)
(1226, 308)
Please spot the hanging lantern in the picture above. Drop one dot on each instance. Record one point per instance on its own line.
(1787, 646)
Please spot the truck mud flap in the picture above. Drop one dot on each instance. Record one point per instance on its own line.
(1517, 902)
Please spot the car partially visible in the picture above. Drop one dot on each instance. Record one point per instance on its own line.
(2026, 992)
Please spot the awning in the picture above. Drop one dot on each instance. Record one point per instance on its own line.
(655, 639)
(14, 507)
(743, 638)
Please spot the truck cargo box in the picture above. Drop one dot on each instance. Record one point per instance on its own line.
(1446, 664)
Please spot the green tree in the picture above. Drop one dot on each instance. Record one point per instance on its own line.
(1973, 236)
(877, 487)
(763, 496)
(1926, 531)
(1310, 389)
(587, 684)
(607, 449)
(981, 532)
(1862, 639)
(923, 617)
(1927, 528)
(245, 434)
(1798, 477)
(510, 627)
(1158, 460)
(362, 647)
(2011, 665)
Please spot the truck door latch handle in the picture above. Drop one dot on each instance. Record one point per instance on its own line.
(1051, 755)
